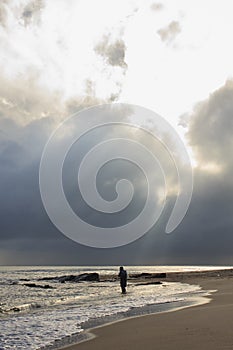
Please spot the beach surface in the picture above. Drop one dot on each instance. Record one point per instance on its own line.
(205, 327)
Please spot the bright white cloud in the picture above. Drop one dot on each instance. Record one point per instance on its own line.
(59, 45)
(171, 79)
(56, 41)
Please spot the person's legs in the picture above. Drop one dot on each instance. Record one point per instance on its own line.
(123, 288)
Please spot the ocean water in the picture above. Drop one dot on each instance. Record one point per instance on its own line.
(36, 318)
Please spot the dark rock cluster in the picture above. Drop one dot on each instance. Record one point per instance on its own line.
(91, 277)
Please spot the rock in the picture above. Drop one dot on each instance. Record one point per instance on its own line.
(148, 283)
(93, 276)
(47, 286)
(63, 279)
(16, 309)
(24, 279)
(33, 285)
(142, 275)
(47, 278)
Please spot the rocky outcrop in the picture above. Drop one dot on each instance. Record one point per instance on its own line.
(90, 277)
(94, 276)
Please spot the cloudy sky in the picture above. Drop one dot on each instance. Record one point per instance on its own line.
(173, 57)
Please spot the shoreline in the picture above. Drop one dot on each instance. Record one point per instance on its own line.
(90, 333)
(105, 336)
(137, 312)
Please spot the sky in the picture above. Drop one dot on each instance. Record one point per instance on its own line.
(172, 57)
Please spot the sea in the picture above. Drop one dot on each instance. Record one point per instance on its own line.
(39, 318)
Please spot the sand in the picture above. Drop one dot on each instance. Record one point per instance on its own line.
(203, 327)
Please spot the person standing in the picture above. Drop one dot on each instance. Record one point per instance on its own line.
(123, 279)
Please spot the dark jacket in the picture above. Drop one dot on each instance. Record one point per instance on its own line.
(123, 277)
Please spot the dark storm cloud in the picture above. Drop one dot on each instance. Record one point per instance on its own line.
(207, 230)
(26, 231)
(205, 235)
(170, 32)
(112, 52)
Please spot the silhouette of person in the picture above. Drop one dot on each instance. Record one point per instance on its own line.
(123, 279)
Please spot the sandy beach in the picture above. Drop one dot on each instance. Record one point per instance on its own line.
(207, 326)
